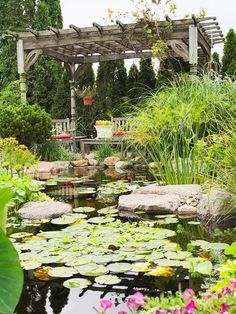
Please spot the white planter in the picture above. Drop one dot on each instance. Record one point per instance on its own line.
(104, 131)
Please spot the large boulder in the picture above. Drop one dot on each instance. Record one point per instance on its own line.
(39, 210)
(213, 203)
(111, 161)
(61, 165)
(183, 190)
(80, 163)
(187, 210)
(124, 165)
(93, 162)
(150, 203)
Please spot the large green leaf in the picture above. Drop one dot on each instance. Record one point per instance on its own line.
(6, 195)
(11, 276)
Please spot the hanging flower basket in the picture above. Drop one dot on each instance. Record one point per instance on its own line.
(88, 100)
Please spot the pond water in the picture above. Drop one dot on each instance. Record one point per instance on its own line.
(51, 297)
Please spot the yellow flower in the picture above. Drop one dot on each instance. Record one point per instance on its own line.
(162, 272)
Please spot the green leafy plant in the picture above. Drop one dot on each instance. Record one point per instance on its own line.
(11, 276)
(54, 150)
(29, 124)
(87, 91)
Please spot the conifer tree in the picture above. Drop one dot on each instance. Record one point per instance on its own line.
(229, 56)
(132, 83)
(46, 73)
(216, 65)
(55, 14)
(147, 76)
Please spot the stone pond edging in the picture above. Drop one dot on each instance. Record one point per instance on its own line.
(183, 199)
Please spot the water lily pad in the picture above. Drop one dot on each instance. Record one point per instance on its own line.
(29, 265)
(84, 209)
(162, 272)
(64, 220)
(80, 260)
(108, 280)
(102, 259)
(180, 255)
(77, 283)
(108, 210)
(101, 220)
(194, 223)
(21, 235)
(92, 269)
(62, 272)
(204, 268)
(119, 267)
(141, 267)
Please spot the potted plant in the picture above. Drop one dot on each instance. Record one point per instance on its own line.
(104, 128)
(87, 93)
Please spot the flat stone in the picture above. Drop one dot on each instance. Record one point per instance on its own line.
(187, 210)
(80, 163)
(93, 162)
(150, 203)
(111, 161)
(39, 210)
(182, 190)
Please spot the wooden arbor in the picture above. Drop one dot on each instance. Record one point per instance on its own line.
(76, 47)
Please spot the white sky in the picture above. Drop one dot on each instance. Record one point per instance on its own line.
(85, 12)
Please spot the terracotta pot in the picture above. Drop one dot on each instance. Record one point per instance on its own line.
(88, 100)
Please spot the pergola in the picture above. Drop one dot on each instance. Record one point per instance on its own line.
(188, 39)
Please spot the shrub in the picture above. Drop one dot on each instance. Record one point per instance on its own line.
(29, 124)
(54, 150)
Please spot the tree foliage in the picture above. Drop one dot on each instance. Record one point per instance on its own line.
(229, 56)
(132, 84)
(147, 75)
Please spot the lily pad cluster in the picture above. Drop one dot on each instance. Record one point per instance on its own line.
(113, 188)
(104, 248)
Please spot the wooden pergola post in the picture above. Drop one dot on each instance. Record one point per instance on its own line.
(193, 48)
(21, 69)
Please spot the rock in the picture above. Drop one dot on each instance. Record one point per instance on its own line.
(187, 210)
(150, 203)
(140, 167)
(214, 203)
(132, 187)
(61, 165)
(80, 163)
(111, 161)
(39, 210)
(184, 191)
(93, 162)
(123, 165)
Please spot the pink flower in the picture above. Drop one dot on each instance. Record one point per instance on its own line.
(208, 294)
(227, 290)
(233, 282)
(219, 295)
(224, 307)
(136, 301)
(139, 298)
(188, 293)
(105, 304)
(122, 312)
(190, 306)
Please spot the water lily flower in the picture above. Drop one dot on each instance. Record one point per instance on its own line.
(105, 304)
(233, 282)
(190, 306)
(188, 293)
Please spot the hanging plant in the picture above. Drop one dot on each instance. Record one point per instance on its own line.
(87, 93)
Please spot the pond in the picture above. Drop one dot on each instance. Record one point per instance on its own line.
(107, 241)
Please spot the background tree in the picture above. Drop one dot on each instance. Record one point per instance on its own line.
(47, 73)
(147, 75)
(132, 83)
(229, 56)
(216, 64)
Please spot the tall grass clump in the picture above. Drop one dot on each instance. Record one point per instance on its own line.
(103, 151)
(54, 150)
(174, 126)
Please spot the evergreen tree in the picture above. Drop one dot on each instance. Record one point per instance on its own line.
(132, 83)
(55, 14)
(11, 18)
(47, 73)
(88, 78)
(147, 76)
(229, 56)
(216, 65)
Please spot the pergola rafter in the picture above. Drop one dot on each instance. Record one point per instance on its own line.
(77, 47)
